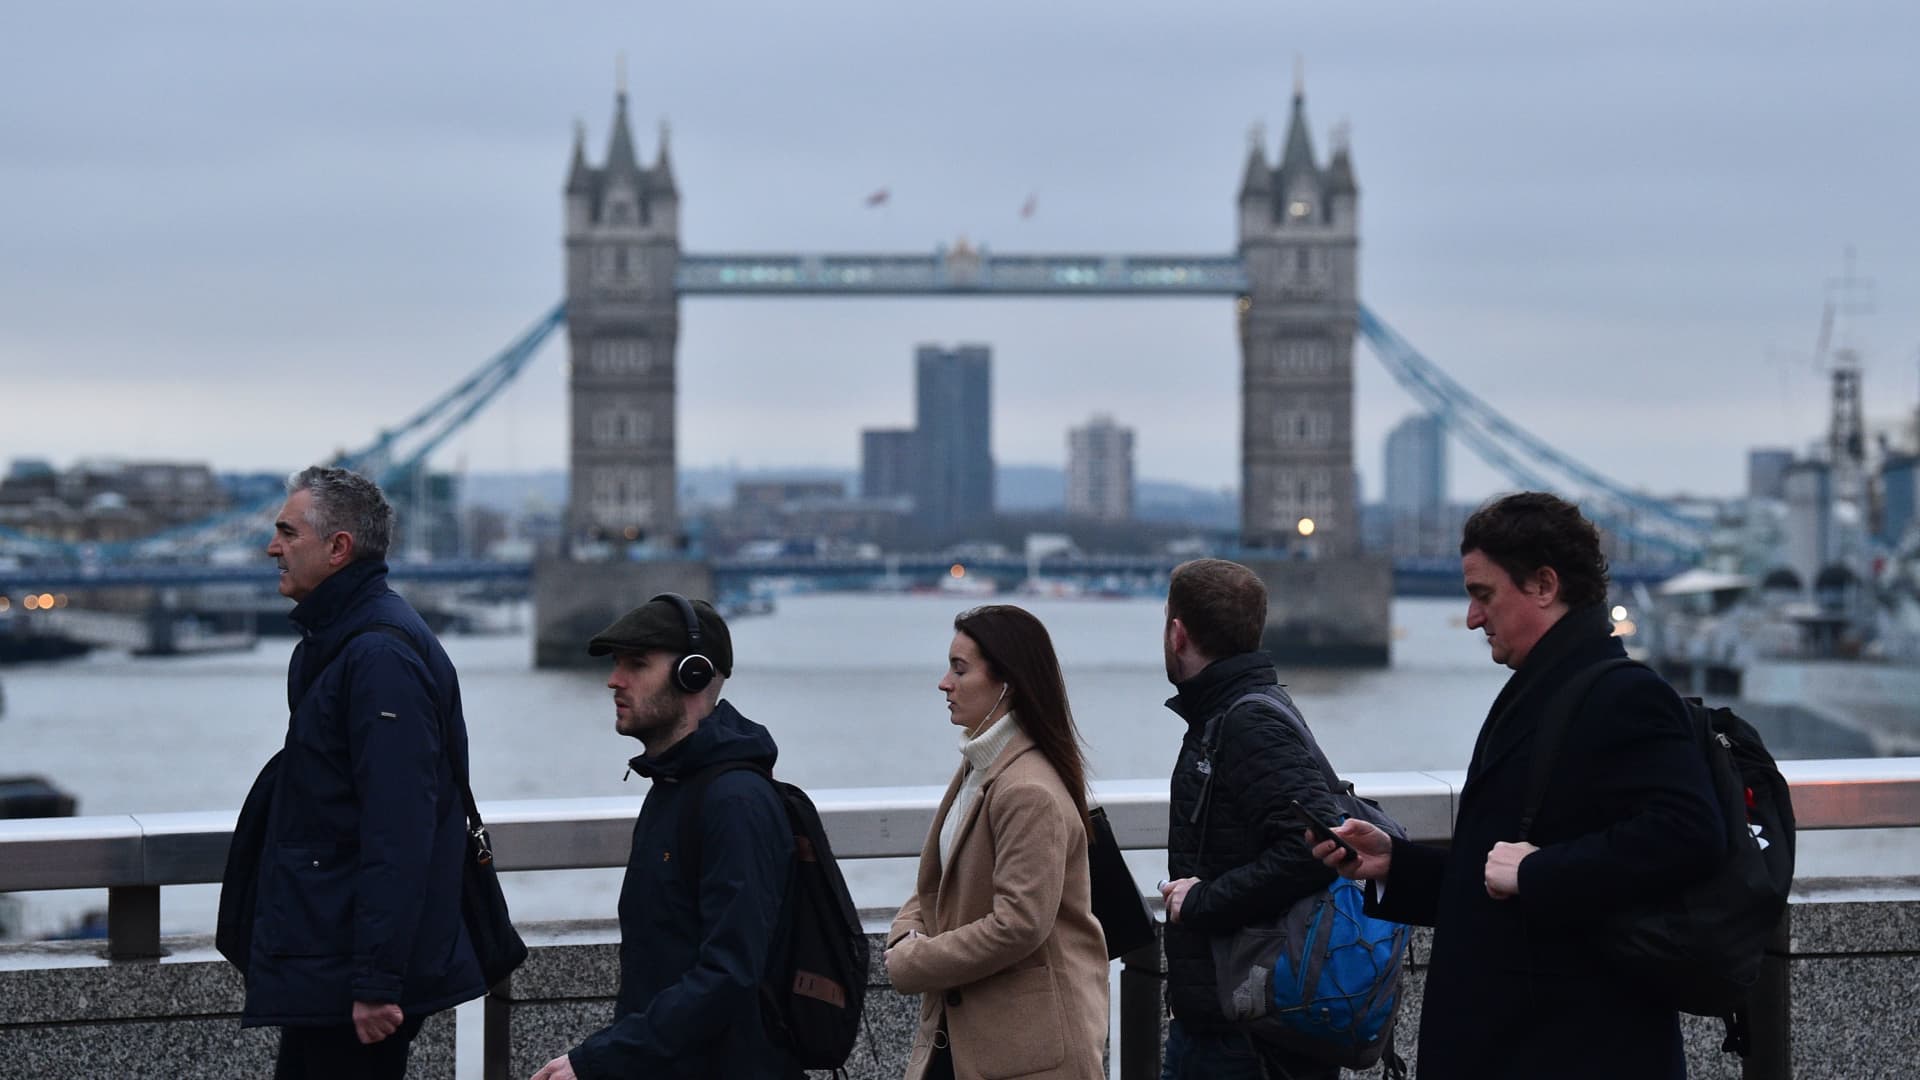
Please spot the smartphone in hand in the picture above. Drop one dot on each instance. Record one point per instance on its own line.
(1322, 830)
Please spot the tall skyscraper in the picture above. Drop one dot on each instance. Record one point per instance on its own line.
(954, 436)
(888, 465)
(1416, 470)
(1100, 470)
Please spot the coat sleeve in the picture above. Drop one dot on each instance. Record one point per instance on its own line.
(1030, 835)
(1261, 766)
(908, 920)
(1644, 787)
(746, 854)
(394, 747)
(1411, 892)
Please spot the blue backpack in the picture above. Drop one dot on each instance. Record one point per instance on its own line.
(1321, 979)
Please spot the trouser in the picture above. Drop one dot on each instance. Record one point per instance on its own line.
(334, 1052)
(1231, 1055)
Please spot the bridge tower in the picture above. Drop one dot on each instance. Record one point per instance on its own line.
(1299, 241)
(622, 253)
(1328, 604)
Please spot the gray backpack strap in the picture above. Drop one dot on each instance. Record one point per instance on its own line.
(1283, 703)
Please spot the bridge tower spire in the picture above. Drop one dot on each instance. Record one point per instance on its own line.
(622, 256)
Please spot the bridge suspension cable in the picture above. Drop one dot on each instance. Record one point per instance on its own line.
(387, 459)
(1516, 452)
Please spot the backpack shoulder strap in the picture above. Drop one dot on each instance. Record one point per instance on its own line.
(1552, 730)
(693, 795)
(1281, 703)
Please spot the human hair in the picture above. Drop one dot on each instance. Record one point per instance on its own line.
(1222, 604)
(1018, 652)
(344, 501)
(1523, 532)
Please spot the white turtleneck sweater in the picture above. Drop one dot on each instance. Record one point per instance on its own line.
(980, 751)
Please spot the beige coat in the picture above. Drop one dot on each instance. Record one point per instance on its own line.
(1011, 952)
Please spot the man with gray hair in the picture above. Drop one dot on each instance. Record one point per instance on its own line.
(353, 933)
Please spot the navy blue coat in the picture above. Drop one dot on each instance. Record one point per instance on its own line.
(692, 953)
(1516, 987)
(359, 879)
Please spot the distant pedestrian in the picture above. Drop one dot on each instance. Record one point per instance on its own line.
(999, 938)
(356, 935)
(1517, 985)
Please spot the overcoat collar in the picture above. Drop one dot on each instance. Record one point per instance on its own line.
(932, 882)
(1515, 713)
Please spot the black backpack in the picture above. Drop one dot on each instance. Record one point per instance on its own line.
(1699, 949)
(813, 1008)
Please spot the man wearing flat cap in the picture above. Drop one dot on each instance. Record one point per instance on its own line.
(698, 930)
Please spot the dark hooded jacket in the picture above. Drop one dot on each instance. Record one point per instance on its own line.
(1517, 988)
(359, 874)
(1232, 826)
(693, 953)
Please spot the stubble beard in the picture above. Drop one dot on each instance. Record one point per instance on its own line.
(652, 716)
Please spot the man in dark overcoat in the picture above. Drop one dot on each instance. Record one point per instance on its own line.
(1517, 986)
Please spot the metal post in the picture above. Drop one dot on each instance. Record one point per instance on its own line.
(133, 922)
(1142, 973)
(1770, 1009)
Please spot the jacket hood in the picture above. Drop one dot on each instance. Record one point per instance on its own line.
(724, 735)
(1197, 699)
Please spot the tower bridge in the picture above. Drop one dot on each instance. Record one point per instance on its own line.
(1292, 287)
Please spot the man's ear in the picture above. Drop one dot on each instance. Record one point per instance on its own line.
(339, 549)
(1177, 634)
(1543, 585)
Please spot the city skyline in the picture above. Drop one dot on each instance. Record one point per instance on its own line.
(217, 211)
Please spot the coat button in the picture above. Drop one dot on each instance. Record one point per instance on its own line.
(953, 997)
(316, 864)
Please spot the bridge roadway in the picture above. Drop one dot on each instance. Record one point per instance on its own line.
(1412, 576)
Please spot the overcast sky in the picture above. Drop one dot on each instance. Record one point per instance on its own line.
(252, 235)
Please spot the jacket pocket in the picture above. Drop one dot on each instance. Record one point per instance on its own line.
(1012, 1023)
(310, 901)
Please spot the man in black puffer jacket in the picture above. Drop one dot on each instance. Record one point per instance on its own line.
(1234, 846)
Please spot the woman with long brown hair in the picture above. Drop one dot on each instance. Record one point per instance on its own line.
(999, 937)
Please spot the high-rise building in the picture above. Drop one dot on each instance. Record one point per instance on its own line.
(954, 436)
(889, 467)
(1767, 472)
(1100, 470)
(1416, 470)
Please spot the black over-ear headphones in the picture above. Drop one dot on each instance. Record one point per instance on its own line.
(693, 671)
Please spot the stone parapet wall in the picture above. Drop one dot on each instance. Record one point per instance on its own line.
(1853, 979)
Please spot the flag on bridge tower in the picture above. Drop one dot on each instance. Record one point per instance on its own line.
(878, 198)
(1027, 208)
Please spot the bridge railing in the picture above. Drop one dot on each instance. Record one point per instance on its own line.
(134, 856)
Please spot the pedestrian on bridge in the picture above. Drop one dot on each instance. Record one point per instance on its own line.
(342, 900)
(999, 937)
(1518, 985)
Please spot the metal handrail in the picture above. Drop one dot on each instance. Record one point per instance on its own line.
(152, 850)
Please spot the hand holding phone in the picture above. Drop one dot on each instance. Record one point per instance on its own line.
(1322, 831)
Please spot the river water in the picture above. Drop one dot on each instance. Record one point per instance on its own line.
(845, 682)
